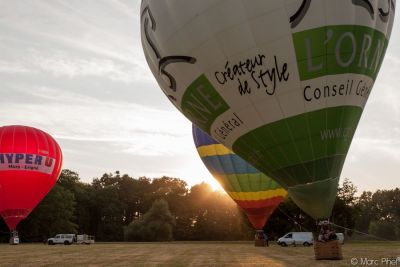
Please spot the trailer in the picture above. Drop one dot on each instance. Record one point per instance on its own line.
(85, 239)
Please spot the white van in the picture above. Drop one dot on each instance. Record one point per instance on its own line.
(66, 239)
(298, 238)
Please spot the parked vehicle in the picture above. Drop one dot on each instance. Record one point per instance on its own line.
(66, 239)
(85, 239)
(296, 238)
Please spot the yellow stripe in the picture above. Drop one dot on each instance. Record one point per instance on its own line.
(261, 195)
(213, 150)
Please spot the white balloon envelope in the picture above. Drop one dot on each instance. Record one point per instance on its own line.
(282, 83)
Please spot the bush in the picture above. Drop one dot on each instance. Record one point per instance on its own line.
(156, 225)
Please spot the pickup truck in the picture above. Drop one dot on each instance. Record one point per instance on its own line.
(66, 239)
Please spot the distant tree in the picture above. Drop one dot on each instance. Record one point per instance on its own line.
(385, 229)
(380, 213)
(214, 216)
(55, 214)
(83, 194)
(69, 180)
(345, 210)
(115, 207)
(107, 210)
(156, 225)
(366, 214)
(4, 232)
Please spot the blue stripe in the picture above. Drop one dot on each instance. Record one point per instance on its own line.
(201, 138)
(228, 164)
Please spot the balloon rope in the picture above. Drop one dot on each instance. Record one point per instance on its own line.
(359, 232)
(294, 220)
(336, 225)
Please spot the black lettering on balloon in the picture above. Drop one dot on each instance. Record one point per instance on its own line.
(365, 4)
(163, 62)
(384, 15)
(254, 72)
(146, 29)
(300, 13)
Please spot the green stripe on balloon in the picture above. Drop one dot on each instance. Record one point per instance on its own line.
(202, 104)
(249, 182)
(343, 51)
(305, 158)
(324, 137)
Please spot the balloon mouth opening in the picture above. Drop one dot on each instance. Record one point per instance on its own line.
(316, 198)
(13, 216)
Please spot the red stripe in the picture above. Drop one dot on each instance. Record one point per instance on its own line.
(259, 211)
(254, 204)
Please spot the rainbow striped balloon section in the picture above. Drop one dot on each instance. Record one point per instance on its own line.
(257, 194)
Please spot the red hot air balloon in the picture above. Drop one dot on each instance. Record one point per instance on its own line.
(30, 164)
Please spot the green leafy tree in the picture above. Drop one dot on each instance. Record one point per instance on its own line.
(83, 194)
(380, 213)
(345, 210)
(156, 225)
(214, 216)
(383, 229)
(55, 214)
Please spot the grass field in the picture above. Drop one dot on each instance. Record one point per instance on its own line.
(188, 254)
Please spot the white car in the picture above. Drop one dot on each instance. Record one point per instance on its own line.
(296, 238)
(66, 239)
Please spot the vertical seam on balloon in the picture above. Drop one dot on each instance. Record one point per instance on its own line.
(13, 149)
(296, 149)
(199, 139)
(238, 185)
(288, 174)
(2, 129)
(304, 107)
(310, 140)
(250, 185)
(44, 137)
(253, 104)
(36, 139)
(291, 138)
(55, 151)
(1, 136)
(325, 100)
(391, 13)
(26, 139)
(60, 159)
(325, 58)
(13, 138)
(230, 157)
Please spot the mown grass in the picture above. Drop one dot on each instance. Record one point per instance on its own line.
(186, 254)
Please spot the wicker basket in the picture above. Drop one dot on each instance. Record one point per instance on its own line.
(259, 243)
(331, 250)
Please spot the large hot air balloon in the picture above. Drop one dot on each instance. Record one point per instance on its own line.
(282, 83)
(257, 194)
(30, 164)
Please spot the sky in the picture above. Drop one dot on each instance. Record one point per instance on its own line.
(76, 70)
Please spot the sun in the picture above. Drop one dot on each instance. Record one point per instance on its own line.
(194, 172)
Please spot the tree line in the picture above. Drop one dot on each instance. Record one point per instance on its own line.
(118, 207)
